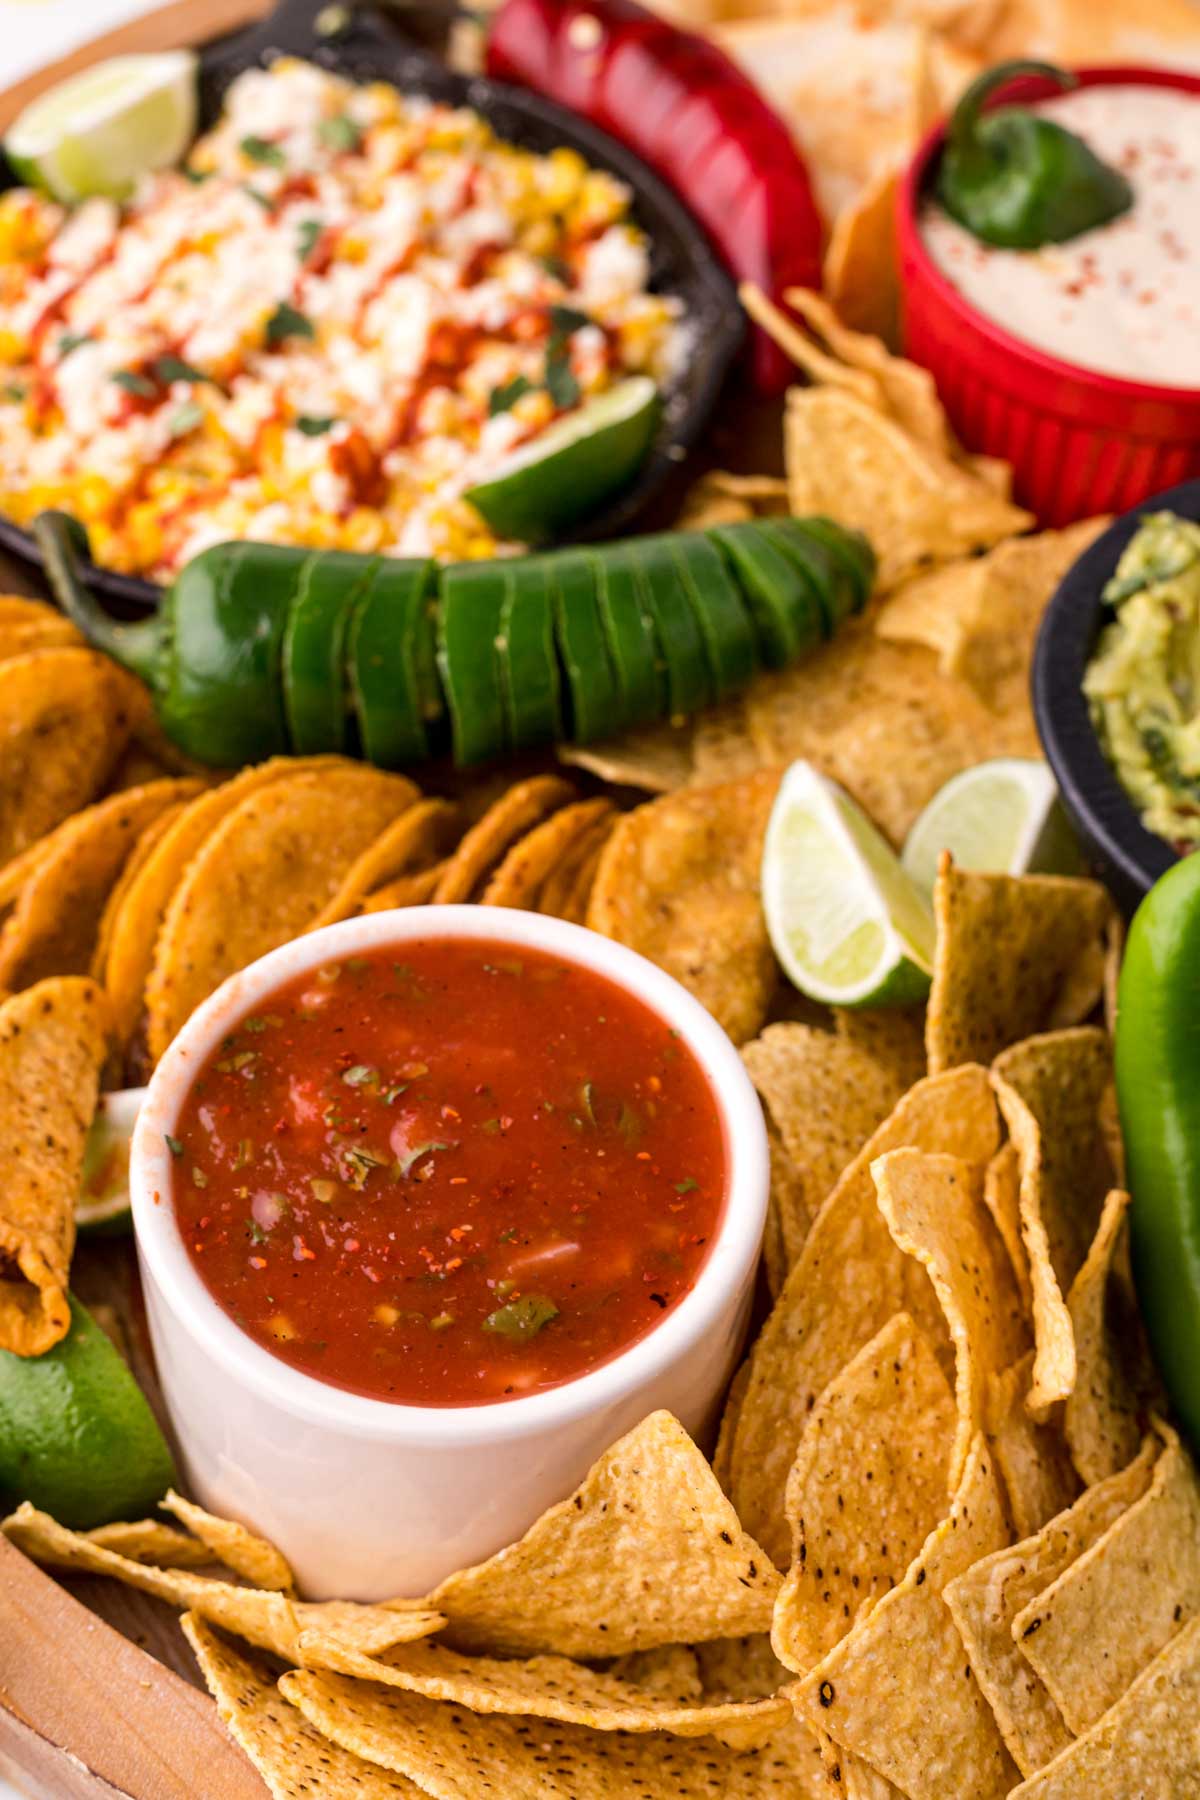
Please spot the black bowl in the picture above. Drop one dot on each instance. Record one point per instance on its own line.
(1129, 858)
(367, 46)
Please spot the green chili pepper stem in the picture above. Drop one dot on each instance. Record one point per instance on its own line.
(961, 131)
(138, 646)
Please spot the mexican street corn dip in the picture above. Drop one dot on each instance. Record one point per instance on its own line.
(350, 306)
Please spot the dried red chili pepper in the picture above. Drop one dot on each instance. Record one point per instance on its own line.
(688, 111)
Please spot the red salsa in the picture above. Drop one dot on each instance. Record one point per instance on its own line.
(449, 1174)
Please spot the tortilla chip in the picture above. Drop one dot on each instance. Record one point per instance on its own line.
(853, 464)
(53, 1044)
(892, 1691)
(849, 1281)
(1008, 950)
(1038, 1476)
(489, 840)
(861, 272)
(679, 881)
(150, 1541)
(295, 1761)
(26, 626)
(821, 369)
(909, 392)
(570, 879)
(578, 899)
(1002, 1198)
(411, 845)
(647, 1551)
(1145, 1744)
(410, 890)
(934, 1209)
(982, 617)
(136, 926)
(240, 1549)
(892, 1038)
(53, 926)
(826, 1096)
(1050, 1090)
(1101, 1416)
(460, 1755)
(1093, 1630)
(519, 878)
(260, 878)
(268, 1620)
(722, 748)
(551, 1687)
(67, 714)
(789, 1216)
(656, 760)
(137, 859)
(721, 498)
(867, 1488)
(881, 720)
(987, 1597)
(730, 1414)
(744, 1668)
(1070, 32)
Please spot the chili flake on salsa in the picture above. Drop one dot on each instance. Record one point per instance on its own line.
(450, 1174)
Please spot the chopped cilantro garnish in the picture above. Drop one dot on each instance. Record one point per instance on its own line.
(257, 1234)
(286, 322)
(15, 392)
(392, 1094)
(502, 399)
(173, 368)
(195, 176)
(308, 236)
(405, 1165)
(561, 384)
(340, 133)
(71, 340)
(263, 200)
(566, 319)
(522, 1319)
(261, 150)
(173, 1144)
(133, 383)
(310, 425)
(686, 1187)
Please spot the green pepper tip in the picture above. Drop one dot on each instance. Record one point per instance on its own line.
(136, 646)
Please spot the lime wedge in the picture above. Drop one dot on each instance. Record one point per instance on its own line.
(77, 1437)
(847, 923)
(1003, 817)
(98, 131)
(573, 466)
(102, 1209)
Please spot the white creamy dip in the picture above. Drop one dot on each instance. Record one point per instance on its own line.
(1124, 299)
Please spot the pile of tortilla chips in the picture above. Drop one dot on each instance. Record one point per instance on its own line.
(949, 1545)
(133, 887)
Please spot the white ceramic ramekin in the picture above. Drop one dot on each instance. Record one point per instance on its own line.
(369, 1499)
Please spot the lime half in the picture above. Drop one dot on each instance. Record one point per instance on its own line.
(97, 132)
(102, 1209)
(846, 922)
(1003, 817)
(573, 466)
(77, 1437)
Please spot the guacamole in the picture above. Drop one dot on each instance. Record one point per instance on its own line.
(1143, 682)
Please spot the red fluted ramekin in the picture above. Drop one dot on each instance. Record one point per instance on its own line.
(1079, 442)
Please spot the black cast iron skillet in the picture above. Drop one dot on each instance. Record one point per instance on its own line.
(366, 45)
(1128, 857)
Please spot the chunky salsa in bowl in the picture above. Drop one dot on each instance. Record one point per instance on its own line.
(450, 1172)
(431, 1206)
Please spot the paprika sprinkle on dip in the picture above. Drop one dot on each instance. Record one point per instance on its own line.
(449, 1175)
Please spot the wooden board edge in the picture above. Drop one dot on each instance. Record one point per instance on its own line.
(172, 27)
(86, 1715)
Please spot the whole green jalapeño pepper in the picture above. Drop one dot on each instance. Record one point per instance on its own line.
(1018, 180)
(1157, 1062)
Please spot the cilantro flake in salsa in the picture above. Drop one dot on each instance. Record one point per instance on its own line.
(449, 1175)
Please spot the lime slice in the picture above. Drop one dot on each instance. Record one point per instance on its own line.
(573, 466)
(1003, 817)
(98, 131)
(847, 923)
(102, 1209)
(77, 1437)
